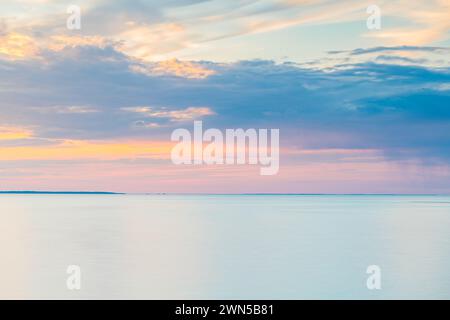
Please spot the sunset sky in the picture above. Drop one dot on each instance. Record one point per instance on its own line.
(359, 110)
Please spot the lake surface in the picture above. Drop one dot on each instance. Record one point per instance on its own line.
(224, 246)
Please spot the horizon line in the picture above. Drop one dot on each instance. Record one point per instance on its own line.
(201, 193)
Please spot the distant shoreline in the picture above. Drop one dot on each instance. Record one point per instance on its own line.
(58, 192)
(216, 194)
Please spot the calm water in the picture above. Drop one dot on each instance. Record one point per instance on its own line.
(224, 247)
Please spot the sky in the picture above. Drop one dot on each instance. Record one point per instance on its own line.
(359, 110)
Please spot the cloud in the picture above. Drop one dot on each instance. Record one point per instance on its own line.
(188, 114)
(360, 51)
(424, 56)
(65, 109)
(399, 60)
(362, 123)
(60, 42)
(150, 42)
(156, 31)
(97, 106)
(14, 133)
(186, 69)
(17, 46)
(96, 150)
(397, 109)
(427, 22)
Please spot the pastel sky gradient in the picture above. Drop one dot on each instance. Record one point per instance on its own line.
(359, 110)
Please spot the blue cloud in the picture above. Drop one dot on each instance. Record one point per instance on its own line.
(361, 51)
(401, 110)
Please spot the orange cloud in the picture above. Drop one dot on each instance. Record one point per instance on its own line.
(99, 150)
(152, 42)
(13, 133)
(185, 69)
(20, 46)
(432, 20)
(17, 46)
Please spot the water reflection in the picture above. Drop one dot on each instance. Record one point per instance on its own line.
(224, 247)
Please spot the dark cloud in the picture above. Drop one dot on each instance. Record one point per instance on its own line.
(396, 59)
(402, 110)
(361, 51)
